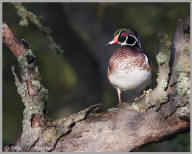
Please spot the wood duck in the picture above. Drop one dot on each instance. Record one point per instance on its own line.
(129, 68)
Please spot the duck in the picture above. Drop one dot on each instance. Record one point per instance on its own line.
(129, 68)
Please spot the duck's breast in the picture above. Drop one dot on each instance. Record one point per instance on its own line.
(127, 69)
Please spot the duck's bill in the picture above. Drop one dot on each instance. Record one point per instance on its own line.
(114, 41)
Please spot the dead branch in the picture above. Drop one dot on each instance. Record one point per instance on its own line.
(26, 15)
(33, 94)
(11, 42)
(122, 130)
(166, 107)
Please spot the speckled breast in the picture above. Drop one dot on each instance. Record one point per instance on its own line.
(129, 69)
(126, 58)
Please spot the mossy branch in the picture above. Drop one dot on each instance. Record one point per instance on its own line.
(37, 128)
(32, 92)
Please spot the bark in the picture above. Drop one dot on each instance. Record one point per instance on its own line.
(165, 109)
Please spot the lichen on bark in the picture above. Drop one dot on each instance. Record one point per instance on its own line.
(34, 97)
(158, 95)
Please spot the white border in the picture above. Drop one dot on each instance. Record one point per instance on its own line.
(190, 73)
(90, 1)
(1, 79)
(106, 1)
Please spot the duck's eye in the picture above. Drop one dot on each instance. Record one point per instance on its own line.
(121, 39)
(123, 34)
(131, 40)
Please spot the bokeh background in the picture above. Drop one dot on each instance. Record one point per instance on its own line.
(77, 78)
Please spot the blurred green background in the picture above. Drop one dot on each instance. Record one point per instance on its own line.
(77, 78)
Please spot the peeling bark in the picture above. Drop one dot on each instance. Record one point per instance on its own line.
(166, 108)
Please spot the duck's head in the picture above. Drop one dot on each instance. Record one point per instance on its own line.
(124, 36)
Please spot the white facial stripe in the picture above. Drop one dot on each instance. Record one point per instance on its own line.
(135, 40)
(134, 37)
(124, 43)
(132, 44)
(139, 43)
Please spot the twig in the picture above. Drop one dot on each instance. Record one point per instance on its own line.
(25, 15)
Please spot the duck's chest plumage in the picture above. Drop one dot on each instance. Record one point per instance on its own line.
(129, 69)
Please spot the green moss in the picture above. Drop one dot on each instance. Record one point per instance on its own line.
(147, 100)
(135, 107)
(33, 104)
(21, 89)
(112, 109)
(22, 60)
(186, 47)
(163, 85)
(49, 134)
(178, 68)
(24, 64)
(161, 58)
(189, 92)
(23, 22)
(183, 84)
(36, 83)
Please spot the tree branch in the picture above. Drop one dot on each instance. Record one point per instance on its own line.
(33, 94)
(119, 129)
(26, 15)
(11, 42)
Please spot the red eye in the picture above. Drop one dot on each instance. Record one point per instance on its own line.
(123, 34)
